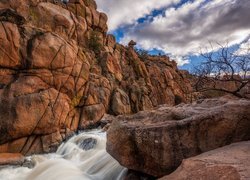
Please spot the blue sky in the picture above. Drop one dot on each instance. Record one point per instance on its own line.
(179, 28)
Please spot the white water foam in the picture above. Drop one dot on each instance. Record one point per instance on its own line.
(82, 157)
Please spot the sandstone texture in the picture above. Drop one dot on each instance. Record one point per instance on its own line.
(228, 163)
(155, 142)
(60, 71)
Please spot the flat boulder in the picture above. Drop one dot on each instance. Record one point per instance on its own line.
(155, 142)
(230, 163)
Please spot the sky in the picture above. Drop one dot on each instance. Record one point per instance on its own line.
(180, 29)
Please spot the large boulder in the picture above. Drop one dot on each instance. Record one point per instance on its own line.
(228, 163)
(155, 142)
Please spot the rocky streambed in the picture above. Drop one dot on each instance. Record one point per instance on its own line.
(208, 139)
(60, 72)
(83, 157)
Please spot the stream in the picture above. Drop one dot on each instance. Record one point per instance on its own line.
(82, 157)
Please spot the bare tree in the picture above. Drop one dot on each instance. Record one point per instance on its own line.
(225, 71)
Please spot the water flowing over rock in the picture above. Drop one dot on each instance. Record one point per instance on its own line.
(83, 156)
(60, 72)
(155, 142)
(230, 163)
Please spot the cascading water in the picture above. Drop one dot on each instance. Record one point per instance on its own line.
(83, 157)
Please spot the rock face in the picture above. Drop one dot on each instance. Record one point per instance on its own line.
(155, 142)
(228, 163)
(11, 159)
(60, 71)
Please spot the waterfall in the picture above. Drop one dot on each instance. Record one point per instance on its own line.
(82, 157)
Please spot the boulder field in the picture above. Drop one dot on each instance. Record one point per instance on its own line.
(156, 141)
(61, 72)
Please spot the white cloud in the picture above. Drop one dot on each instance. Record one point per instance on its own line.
(180, 31)
(180, 60)
(184, 30)
(124, 12)
(244, 48)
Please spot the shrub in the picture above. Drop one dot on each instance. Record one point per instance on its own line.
(94, 42)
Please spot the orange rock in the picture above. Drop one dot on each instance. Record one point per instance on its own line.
(88, 16)
(110, 42)
(9, 45)
(99, 91)
(52, 17)
(228, 163)
(52, 82)
(11, 158)
(120, 103)
(155, 142)
(112, 65)
(91, 115)
(103, 22)
(96, 17)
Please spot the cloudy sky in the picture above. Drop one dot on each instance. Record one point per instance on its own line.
(179, 28)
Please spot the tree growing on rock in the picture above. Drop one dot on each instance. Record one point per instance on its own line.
(224, 71)
(94, 42)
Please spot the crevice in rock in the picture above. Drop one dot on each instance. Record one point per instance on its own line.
(10, 15)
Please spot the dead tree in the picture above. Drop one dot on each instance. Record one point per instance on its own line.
(224, 71)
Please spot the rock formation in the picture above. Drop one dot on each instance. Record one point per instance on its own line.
(155, 142)
(60, 72)
(230, 163)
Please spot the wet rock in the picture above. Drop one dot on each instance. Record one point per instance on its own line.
(87, 144)
(106, 121)
(133, 175)
(29, 163)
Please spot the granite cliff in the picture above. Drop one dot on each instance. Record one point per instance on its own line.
(61, 72)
